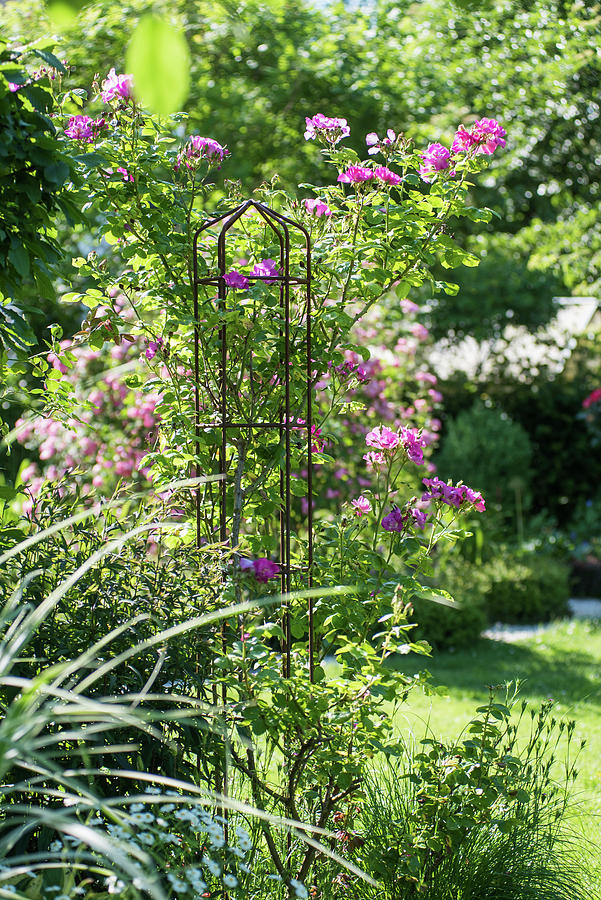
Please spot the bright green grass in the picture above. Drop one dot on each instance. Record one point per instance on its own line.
(563, 663)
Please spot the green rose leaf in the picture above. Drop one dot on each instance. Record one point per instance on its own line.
(158, 58)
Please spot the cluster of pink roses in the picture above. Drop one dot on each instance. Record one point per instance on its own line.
(266, 270)
(116, 87)
(107, 441)
(453, 495)
(484, 136)
(200, 148)
(359, 174)
(398, 521)
(83, 128)
(325, 128)
(387, 441)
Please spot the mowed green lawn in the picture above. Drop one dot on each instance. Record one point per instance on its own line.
(563, 663)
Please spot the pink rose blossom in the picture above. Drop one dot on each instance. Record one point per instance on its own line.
(386, 175)
(435, 159)
(265, 269)
(436, 395)
(453, 495)
(201, 148)
(153, 348)
(331, 130)
(419, 518)
(484, 136)
(356, 175)
(125, 173)
(116, 86)
(413, 442)
(373, 458)
(394, 521)
(462, 140)
(265, 569)
(80, 128)
(383, 438)
(476, 499)
(361, 505)
(317, 207)
(376, 145)
(13, 88)
(236, 279)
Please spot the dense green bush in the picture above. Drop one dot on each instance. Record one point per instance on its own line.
(513, 586)
(485, 448)
(446, 627)
(525, 588)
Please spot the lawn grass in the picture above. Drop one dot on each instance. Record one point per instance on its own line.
(563, 663)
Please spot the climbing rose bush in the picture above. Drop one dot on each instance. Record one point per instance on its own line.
(378, 230)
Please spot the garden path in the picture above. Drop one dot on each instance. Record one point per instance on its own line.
(581, 608)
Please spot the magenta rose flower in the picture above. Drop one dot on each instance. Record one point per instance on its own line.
(383, 438)
(394, 521)
(356, 175)
(435, 159)
(329, 129)
(384, 174)
(265, 269)
(116, 86)
(361, 505)
(236, 279)
(265, 569)
(317, 207)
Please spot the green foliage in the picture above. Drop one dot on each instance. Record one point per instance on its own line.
(419, 68)
(522, 587)
(548, 411)
(485, 448)
(455, 625)
(158, 58)
(34, 171)
(484, 816)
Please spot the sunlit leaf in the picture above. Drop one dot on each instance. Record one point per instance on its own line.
(159, 60)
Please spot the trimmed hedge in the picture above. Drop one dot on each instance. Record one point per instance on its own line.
(515, 587)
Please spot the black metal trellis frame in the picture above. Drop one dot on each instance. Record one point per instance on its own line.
(281, 226)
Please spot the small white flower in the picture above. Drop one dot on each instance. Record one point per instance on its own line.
(56, 847)
(212, 865)
(152, 790)
(230, 881)
(168, 808)
(136, 807)
(299, 888)
(114, 885)
(143, 818)
(146, 838)
(177, 884)
(243, 838)
(244, 868)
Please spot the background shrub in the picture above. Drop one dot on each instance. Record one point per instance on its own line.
(522, 587)
(443, 626)
(485, 448)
